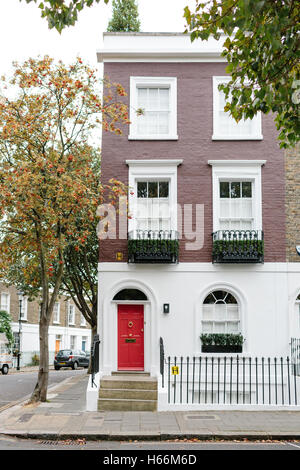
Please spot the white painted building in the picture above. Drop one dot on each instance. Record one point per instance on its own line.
(194, 172)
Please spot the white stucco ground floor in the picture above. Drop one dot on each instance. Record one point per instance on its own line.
(60, 337)
(181, 302)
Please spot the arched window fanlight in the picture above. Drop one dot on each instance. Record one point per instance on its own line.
(221, 313)
(130, 294)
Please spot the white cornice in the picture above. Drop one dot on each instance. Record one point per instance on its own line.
(236, 162)
(170, 47)
(158, 56)
(154, 162)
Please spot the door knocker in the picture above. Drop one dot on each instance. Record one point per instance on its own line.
(130, 324)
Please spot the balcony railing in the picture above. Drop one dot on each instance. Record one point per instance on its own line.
(153, 246)
(238, 246)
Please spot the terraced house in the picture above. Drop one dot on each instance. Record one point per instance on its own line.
(202, 292)
(68, 328)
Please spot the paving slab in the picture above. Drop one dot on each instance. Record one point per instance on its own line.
(64, 416)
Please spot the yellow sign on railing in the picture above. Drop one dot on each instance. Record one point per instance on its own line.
(175, 370)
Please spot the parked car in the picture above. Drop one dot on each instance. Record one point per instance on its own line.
(5, 359)
(71, 358)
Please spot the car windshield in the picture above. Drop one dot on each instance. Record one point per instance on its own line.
(64, 352)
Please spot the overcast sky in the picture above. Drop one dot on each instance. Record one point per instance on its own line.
(23, 33)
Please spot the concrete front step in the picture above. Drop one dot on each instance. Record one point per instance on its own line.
(123, 393)
(131, 373)
(128, 382)
(113, 404)
(127, 392)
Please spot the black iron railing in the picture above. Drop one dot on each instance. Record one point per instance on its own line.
(153, 246)
(95, 358)
(295, 354)
(238, 246)
(232, 380)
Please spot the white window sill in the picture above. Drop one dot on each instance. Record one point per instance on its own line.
(152, 137)
(56, 323)
(237, 137)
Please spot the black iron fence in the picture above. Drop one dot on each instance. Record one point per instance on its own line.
(153, 246)
(232, 380)
(162, 360)
(238, 246)
(95, 358)
(295, 354)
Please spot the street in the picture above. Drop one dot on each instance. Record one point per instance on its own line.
(12, 443)
(17, 386)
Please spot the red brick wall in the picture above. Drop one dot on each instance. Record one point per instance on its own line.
(195, 147)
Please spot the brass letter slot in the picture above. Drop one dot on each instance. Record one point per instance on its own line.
(130, 340)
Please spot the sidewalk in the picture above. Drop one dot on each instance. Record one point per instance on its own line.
(64, 417)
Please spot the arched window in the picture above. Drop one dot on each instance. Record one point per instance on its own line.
(130, 294)
(221, 313)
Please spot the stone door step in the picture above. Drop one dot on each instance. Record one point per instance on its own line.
(130, 372)
(123, 393)
(128, 382)
(128, 392)
(112, 404)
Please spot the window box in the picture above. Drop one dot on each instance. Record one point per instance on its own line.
(238, 246)
(149, 246)
(222, 343)
(217, 348)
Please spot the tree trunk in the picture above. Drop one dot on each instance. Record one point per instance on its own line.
(94, 332)
(40, 390)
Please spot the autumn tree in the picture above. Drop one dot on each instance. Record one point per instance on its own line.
(80, 277)
(261, 46)
(125, 16)
(47, 178)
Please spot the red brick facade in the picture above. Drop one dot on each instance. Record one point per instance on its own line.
(195, 147)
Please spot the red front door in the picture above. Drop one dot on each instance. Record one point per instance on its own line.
(130, 337)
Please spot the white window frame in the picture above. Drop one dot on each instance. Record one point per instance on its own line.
(82, 321)
(8, 301)
(256, 133)
(24, 308)
(154, 82)
(237, 170)
(226, 319)
(152, 170)
(75, 342)
(57, 313)
(73, 315)
(85, 339)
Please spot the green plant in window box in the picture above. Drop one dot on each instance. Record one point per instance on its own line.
(153, 248)
(222, 342)
(238, 247)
